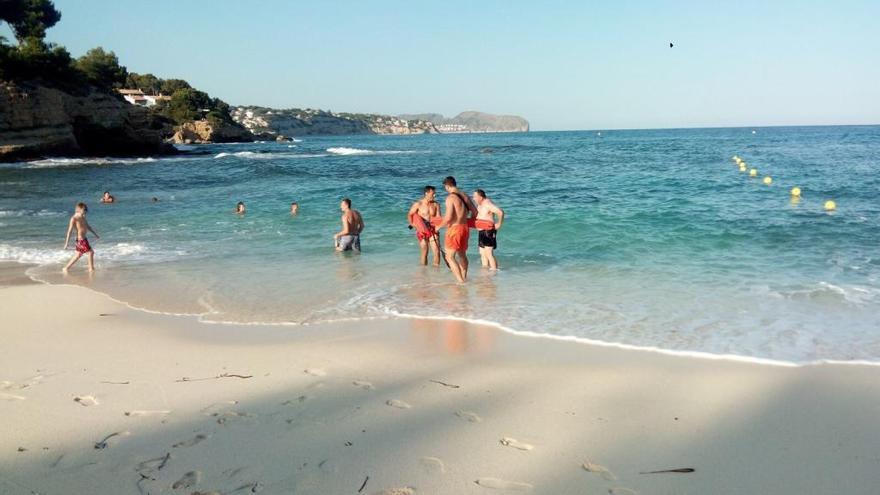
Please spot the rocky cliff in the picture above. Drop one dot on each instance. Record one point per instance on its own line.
(205, 131)
(37, 120)
(471, 121)
(300, 122)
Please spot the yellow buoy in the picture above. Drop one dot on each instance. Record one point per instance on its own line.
(742, 169)
(768, 180)
(753, 172)
(830, 205)
(735, 158)
(796, 191)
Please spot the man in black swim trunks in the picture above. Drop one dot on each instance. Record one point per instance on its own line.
(486, 210)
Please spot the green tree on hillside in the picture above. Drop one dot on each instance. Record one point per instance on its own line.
(187, 104)
(148, 83)
(102, 68)
(29, 18)
(170, 86)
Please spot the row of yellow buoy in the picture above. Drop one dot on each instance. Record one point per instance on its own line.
(795, 192)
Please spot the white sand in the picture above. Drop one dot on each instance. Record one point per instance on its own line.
(431, 407)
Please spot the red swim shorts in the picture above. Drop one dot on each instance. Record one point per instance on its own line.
(83, 246)
(457, 237)
(425, 235)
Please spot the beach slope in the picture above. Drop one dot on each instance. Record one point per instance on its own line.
(99, 398)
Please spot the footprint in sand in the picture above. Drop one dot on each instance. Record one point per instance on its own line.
(469, 416)
(499, 484)
(362, 384)
(398, 404)
(315, 372)
(298, 400)
(105, 442)
(216, 408)
(512, 442)
(188, 480)
(86, 400)
(192, 441)
(11, 397)
(602, 471)
(432, 465)
(404, 490)
(619, 490)
(147, 412)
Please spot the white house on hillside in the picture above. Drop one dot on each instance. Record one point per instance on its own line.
(137, 97)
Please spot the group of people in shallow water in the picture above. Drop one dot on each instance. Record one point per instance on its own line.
(425, 216)
(461, 213)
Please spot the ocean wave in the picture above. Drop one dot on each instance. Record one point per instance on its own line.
(341, 150)
(104, 252)
(825, 291)
(30, 213)
(254, 155)
(77, 162)
(349, 151)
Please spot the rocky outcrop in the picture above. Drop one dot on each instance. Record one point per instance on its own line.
(267, 122)
(474, 122)
(37, 121)
(205, 131)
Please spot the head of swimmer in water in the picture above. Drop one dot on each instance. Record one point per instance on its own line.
(294, 207)
(81, 208)
(449, 184)
(239, 208)
(430, 193)
(345, 204)
(479, 196)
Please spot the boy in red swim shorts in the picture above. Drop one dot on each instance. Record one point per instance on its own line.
(78, 221)
(458, 210)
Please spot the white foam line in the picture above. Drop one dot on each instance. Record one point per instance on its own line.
(200, 318)
(632, 347)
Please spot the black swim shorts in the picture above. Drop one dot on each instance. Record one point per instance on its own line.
(488, 238)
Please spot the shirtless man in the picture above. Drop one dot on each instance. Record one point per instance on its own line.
(458, 210)
(108, 198)
(486, 210)
(78, 221)
(240, 209)
(426, 208)
(352, 225)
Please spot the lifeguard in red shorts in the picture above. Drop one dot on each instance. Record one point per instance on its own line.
(420, 214)
(459, 210)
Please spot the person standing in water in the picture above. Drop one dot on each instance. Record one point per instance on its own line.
(422, 211)
(239, 208)
(108, 198)
(486, 210)
(294, 208)
(458, 210)
(78, 221)
(349, 238)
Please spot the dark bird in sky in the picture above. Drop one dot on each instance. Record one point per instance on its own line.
(670, 45)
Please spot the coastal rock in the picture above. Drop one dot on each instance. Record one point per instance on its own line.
(205, 131)
(268, 123)
(37, 121)
(472, 121)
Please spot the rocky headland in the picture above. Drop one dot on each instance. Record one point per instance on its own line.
(38, 120)
(269, 122)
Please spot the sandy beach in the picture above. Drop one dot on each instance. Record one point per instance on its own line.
(99, 398)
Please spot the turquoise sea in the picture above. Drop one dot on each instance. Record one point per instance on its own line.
(646, 238)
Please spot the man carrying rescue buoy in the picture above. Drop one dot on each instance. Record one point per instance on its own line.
(419, 217)
(458, 210)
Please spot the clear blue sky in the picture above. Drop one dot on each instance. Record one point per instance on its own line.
(562, 65)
